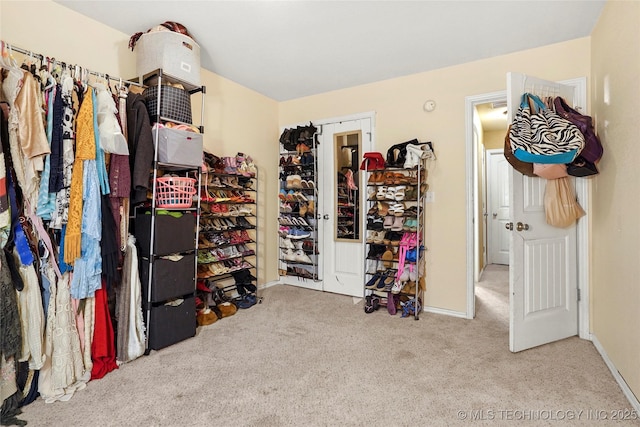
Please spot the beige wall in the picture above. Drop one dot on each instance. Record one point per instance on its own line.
(494, 139)
(236, 118)
(399, 117)
(615, 96)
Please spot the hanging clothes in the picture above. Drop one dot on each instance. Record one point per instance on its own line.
(63, 372)
(131, 329)
(103, 351)
(11, 336)
(62, 162)
(32, 137)
(141, 149)
(85, 150)
(87, 269)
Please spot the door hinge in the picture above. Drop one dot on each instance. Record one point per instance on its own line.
(578, 294)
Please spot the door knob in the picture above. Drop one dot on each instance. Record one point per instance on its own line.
(326, 216)
(509, 226)
(520, 226)
(495, 215)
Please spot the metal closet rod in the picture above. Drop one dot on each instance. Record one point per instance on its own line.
(53, 60)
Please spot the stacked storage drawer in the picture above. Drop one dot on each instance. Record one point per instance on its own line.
(173, 309)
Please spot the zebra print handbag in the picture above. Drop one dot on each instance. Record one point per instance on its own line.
(539, 135)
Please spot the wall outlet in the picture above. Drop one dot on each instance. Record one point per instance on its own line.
(430, 197)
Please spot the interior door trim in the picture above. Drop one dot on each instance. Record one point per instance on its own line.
(583, 192)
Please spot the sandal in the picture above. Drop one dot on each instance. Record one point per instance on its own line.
(382, 191)
(398, 209)
(391, 193)
(400, 193)
(383, 208)
(400, 178)
(387, 258)
(388, 222)
(397, 223)
(389, 178)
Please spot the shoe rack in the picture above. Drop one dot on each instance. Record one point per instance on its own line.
(348, 206)
(227, 238)
(298, 233)
(395, 202)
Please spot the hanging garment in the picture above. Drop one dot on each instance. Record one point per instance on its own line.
(120, 183)
(11, 336)
(88, 267)
(11, 87)
(85, 317)
(85, 150)
(120, 178)
(5, 214)
(111, 138)
(65, 123)
(131, 329)
(31, 317)
(101, 165)
(63, 372)
(103, 352)
(32, 137)
(109, 245)
(46, 199)
(140, 146)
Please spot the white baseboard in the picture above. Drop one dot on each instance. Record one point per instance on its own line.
(269, 284)
(446, 312)
(633, 400)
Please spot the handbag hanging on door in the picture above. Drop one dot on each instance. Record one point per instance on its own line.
(539, 135)
(560, 203)
(524, 168)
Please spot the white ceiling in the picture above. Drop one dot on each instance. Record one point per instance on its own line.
(290, 49)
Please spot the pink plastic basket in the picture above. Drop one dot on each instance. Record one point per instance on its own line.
(174, 192)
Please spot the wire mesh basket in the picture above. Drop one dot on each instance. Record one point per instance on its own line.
(175, 103)
(175, 192)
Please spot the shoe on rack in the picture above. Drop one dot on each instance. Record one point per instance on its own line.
(372, 283)
(300, 256)
(397, 287)
(296, 233)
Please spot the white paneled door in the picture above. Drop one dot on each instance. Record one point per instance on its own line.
(543, 262)
(498, 183)
(342, 259)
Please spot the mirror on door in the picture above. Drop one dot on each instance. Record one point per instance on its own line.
(347, 147)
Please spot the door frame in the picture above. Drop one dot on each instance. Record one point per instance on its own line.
(583, 191)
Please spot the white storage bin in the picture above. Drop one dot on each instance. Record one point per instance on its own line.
(176, 54)
(179, 147)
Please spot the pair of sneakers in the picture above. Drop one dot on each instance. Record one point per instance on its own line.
(246, 301)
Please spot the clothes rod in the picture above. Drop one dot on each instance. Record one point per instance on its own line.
(42, 58)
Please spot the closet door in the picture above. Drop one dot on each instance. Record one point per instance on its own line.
(341, 218)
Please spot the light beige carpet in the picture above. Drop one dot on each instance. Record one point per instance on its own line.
(308, 358)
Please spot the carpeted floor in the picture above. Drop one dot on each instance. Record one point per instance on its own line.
(308, 358)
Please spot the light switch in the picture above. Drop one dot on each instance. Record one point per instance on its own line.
(429, 197)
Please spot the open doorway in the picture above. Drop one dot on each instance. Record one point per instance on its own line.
(491, 181)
